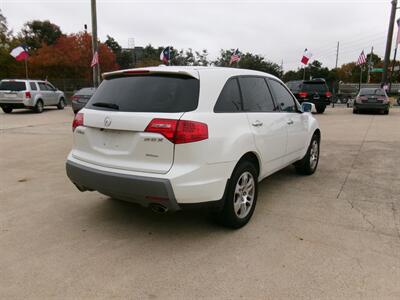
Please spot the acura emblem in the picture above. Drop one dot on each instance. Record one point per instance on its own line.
(107, 122)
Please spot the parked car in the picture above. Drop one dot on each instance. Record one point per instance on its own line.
(315, 91)
(371, 99)
(33, 94)
(170, 138)
(81, 97)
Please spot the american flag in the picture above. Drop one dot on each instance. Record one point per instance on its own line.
(95, 59)
(235, 57)
(362, 59)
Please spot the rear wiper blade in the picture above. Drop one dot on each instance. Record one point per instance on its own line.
(105, 104)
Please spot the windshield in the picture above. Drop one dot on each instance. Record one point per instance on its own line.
(372, 91)
(14, 86)
(147, 93)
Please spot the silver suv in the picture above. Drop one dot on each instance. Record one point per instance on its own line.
(33, 94)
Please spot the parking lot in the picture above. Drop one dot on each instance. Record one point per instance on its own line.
(335, 234)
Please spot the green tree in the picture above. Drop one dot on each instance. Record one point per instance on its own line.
(249, 61)
(36, 33)
(124, 58)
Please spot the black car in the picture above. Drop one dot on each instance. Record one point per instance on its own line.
(315, 91)
(371, 99)
(81, 97)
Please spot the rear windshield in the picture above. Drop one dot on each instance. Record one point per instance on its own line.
(14, 86)
(147, 93)
(319, 87)
(86, 91)
(371, 91)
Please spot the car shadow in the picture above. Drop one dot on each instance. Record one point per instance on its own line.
(129, 215)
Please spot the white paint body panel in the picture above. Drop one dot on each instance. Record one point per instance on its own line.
(198, 171)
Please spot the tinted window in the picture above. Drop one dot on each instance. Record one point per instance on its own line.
(256, 95)
(14, 86)
(372, 91)
(229, 100)
(294, 86)
(148, 93)
(314, 87)
(283, 97)
(42, 86)
(50, 87)
(33, 86)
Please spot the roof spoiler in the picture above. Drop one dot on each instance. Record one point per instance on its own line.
(145, 71)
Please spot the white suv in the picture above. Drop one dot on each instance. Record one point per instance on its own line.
(175, 137)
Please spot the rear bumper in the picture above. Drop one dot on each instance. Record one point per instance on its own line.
(320, 101)
(371, 106)
(16, 103)
(137, 189)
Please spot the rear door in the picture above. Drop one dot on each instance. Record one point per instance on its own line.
(117, 115)
(266, 122)
(296, 122)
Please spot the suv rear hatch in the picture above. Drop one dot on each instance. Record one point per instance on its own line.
(316, 91)
(116, 117)
(12, 91)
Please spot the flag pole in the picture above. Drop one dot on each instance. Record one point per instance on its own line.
(361, 68)
(26, 67)
(304, 72)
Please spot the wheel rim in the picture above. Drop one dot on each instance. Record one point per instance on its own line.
(314, 152)
(244, 195)
(40, 106)
(62, 104)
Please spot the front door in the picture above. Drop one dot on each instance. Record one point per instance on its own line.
(296, 122)
(266, 122)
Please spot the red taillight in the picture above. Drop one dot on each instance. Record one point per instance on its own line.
(383, 99)
(28, 95)
(78, 121)
(303, 94)
(328, 94)
(74, 98)
(179, 131)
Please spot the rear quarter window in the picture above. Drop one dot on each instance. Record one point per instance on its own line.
(148, 93)
(229, 100)
(14, 86)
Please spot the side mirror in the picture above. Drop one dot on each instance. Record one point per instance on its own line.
(307, 107)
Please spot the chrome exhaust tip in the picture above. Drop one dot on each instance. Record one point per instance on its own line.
(158, 208)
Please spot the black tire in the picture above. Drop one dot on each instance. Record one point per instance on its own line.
(61, 104)
(7, 109)
(355, 111)
(38, 107)
(320, 108)
(386, 112)
(229, 214)
(309, 163)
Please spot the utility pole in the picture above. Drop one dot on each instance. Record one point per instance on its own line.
(389, 42)
(394, 58)
(370, 64)
(337, 55)
(96, 69)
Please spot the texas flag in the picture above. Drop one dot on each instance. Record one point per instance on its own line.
(165, 55)
(19, 53)
(306, 57)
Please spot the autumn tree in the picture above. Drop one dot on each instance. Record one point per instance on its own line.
(70, 57)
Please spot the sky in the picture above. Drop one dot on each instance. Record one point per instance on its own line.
(277, 30)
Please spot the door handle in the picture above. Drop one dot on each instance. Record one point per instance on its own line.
(290, 122)
(257, 123)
